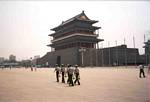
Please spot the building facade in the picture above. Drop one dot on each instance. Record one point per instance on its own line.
(75, 40)
(119, 55)
(147, 51)
(70, 40)
(1, 60)
(12, 58)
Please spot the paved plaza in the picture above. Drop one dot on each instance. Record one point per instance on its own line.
(97, 85)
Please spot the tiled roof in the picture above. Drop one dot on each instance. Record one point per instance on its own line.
(80, 16)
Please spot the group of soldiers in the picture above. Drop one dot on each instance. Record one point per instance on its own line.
(70, 72)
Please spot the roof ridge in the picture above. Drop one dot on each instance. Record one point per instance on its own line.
(75, 17)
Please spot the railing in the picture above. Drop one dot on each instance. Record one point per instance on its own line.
(76, 34)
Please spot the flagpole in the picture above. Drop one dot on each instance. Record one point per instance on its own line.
(134, 48)
(102, 56)
(145, 53)
(125, 52)
(109, 52)
(116, 53)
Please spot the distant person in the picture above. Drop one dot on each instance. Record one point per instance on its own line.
(10, 67)
(77, 75)
(35, 68)
(31, 68)
(141, 71)
(63, 73)
(70, 73)
(57, 70)
(2, 67)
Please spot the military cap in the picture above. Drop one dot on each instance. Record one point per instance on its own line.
(76, 65)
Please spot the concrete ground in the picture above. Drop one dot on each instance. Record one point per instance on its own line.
(97, 85)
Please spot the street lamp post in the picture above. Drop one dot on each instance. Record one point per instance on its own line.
(31, 64)
(82, 59)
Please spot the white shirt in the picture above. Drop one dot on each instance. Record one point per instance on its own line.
(71, 70)
(141, 66)
(57, 69)
(62, 69)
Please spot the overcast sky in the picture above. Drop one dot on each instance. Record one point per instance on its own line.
(25, 26)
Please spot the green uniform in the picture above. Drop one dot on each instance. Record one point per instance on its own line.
(70, 73)
(77, 75)
(63, 74)
(57, 69)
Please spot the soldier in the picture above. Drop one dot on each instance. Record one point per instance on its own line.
(70, 73)
(57, 70)
(77, 75)
(63, 73)
(141, 71)
(67, 72)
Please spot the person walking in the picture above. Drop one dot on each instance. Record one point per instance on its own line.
(57, 70)
(35, 68)
(70, 73)
(63, 73)
(67, 71)
(77, 75)
(141, 71)
(31, 68)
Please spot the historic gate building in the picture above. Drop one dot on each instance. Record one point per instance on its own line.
(74, 42)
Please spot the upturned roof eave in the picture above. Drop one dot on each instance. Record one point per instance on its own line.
(77, 17)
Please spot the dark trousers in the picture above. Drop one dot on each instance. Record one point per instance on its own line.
(57, 76)
(77, 79)
(70, 80)
(31, 68)
(142, 72)
(63, 75)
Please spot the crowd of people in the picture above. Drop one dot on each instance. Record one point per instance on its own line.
(72, 74)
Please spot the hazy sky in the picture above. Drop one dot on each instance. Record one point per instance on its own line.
(25, 26)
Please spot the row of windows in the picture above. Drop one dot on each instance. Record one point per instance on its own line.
(87, 45)
(75, 31)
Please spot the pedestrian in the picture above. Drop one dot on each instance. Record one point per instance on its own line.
(77, 75)
(35, 68)
(10, 67)
(141, 71)
(70, 73)
(57, 70)
(31, 68)
(63, 73)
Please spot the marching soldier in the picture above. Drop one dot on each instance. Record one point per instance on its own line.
(63, 73)
(70, 73)
(57, 70)
(77, 75)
